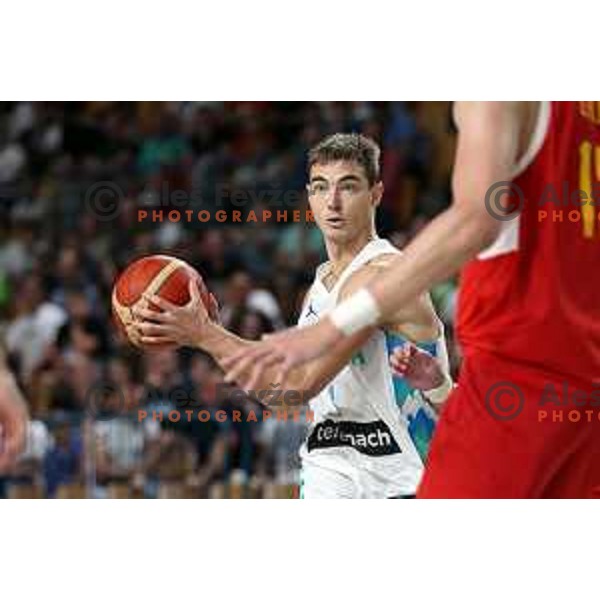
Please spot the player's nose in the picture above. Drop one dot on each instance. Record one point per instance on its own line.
(334, 200)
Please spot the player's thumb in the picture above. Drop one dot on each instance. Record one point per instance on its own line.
(214, 308)
(194, 293)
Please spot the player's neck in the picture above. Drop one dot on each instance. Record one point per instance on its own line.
(341, 255)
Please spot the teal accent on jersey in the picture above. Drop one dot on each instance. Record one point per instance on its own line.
(420, 427)
(421, 421)
(359, 359)
(332, 394)
(394, 341)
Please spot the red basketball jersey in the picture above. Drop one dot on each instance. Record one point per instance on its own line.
(533, 297)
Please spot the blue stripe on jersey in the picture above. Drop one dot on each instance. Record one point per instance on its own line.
(421, 421)
(394, 341)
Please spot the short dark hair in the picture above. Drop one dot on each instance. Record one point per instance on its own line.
(348, 146)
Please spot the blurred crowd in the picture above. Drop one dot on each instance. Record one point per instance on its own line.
(59, 255)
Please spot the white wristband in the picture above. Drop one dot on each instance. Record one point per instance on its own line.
(355, 313)
(439, 394)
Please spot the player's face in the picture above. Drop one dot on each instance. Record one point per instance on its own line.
(342, 201)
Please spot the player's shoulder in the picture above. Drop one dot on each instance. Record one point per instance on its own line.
(417, 316)
(465, 113)
(368, 272)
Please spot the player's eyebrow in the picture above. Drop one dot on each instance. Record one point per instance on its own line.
(343, 179)
(349, 178)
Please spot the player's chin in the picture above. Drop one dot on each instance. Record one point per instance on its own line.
(337, 234)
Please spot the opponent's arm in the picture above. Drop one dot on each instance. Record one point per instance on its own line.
(488, 144)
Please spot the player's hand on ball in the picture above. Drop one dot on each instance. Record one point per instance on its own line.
(181, 325)
(420, 370)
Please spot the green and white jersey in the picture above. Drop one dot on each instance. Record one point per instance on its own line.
(371, 430)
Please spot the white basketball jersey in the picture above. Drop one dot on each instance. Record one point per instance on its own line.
(368, 425)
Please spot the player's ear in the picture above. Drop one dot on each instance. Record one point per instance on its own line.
(377, 193)
(308, 196)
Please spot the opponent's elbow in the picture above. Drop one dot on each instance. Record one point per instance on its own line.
(477, 231)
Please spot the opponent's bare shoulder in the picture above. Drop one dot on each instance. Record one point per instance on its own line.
(522, 111)
(416, 320)
(511, 123)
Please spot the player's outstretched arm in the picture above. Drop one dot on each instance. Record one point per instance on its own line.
(13, 418)
(313, 375)
(192, 325)
(488, 143)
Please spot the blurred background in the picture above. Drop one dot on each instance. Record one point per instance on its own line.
(58, 261)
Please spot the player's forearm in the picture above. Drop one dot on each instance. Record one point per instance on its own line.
(221, 343)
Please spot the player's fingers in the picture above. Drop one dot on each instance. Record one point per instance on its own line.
(237, 364)
(235, 357)
(399, 369)
(235, 371)
(151, 329)
(153, 316)
(243, 360)
(155, 340)
(412, 351)
(287, 363)
(214, 308)
(404, 353)
(399, 356)
(274, 338)
(230, 360)
(251, 383)
(260, 367)
(162, 303)
(398, 361)
(194, 293)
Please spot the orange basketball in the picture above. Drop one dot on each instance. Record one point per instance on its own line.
(156, 275)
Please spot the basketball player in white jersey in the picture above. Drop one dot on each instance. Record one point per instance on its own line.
(371, 429)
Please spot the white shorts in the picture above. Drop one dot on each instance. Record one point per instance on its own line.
(321, 483)
(341, 474)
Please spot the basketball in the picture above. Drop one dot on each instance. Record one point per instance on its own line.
(156, 275)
